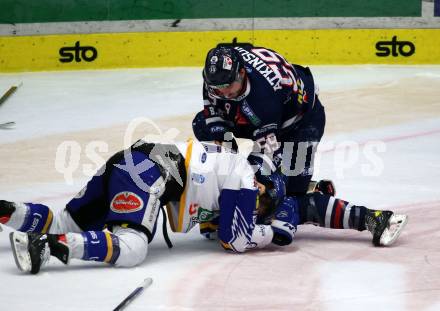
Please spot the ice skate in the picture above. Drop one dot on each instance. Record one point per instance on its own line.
(385, 226)
(30, 250)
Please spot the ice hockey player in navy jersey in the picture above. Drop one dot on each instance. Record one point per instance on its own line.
(114, 218)
(255, 93)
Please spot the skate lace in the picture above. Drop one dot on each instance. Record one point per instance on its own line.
(44, 251)
(371, 222)
(45, 255)
(375, 219)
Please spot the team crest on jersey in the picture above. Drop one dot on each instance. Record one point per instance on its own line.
(126, 202)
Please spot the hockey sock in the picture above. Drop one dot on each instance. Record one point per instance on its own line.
(100, 246)
(38, 218)
(90, 245)
(330, 212)
(26, 217)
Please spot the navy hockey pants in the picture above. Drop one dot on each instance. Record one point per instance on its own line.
(114, 196)
(299, 145)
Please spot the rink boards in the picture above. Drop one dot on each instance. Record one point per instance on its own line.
(173, 49)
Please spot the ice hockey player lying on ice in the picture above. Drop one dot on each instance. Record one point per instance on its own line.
(114, 217)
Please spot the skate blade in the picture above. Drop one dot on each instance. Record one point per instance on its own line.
(19, 244)
(397, 223)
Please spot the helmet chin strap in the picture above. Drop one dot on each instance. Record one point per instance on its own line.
(244, 82)
(245, 89)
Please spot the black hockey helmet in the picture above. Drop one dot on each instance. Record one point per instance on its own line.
(222, 67)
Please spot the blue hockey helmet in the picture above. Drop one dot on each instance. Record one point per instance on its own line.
(222, 67)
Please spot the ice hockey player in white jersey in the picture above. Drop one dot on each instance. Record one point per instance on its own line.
(196, 181)
(114, 218)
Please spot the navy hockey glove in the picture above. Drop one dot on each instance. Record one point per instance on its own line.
(276, 187)
(274, 194)
(285, 222)
(267, 174)
(209, 128)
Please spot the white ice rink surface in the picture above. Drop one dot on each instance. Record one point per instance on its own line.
(395, 166)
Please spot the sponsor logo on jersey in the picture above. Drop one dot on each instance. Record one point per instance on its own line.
(212, 148)
(203, 157)
(192, 222)
(395, 48)
(217, 129)
(250, 114)
(257, 63)
(197, 178)
(205, 215)
(126, 202)
(193, 208)
(155, 204)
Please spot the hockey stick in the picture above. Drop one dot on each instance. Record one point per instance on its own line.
(9, 93)
(147, 282)
(12, 89)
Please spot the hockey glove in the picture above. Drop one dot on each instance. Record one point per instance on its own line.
(213, 130)
(285, 222)
(325, 186)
